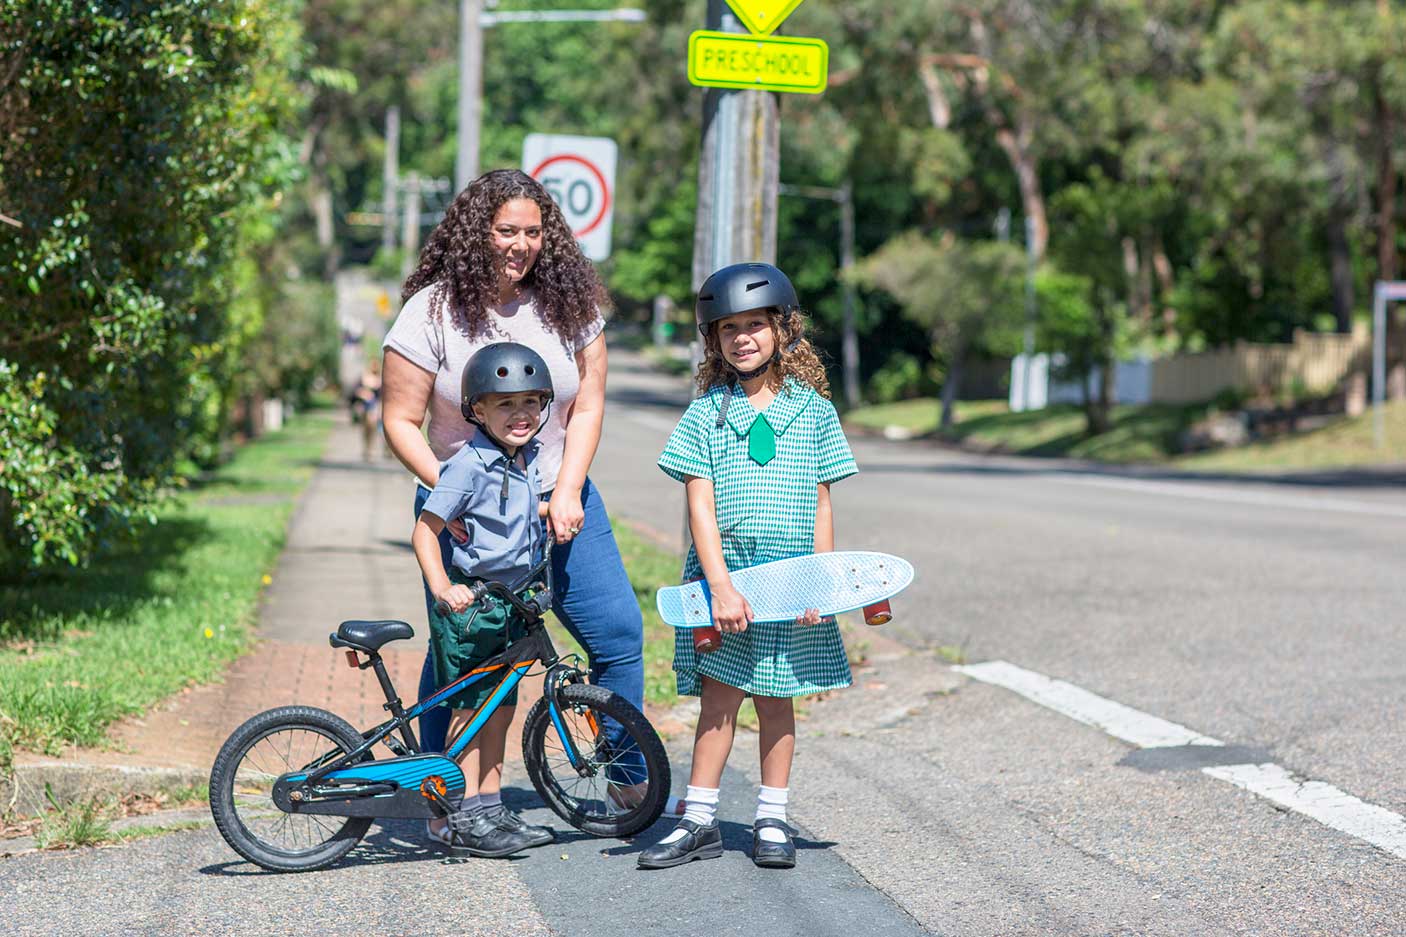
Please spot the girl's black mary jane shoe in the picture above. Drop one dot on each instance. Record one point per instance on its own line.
(773, 855)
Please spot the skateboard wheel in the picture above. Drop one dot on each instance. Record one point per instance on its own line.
(707, 640)
(878, 614)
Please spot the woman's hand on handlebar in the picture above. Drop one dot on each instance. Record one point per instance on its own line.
(456, 598)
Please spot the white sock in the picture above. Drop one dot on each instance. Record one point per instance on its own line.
(702, 808)
(471, 804)
(771, 804)
(489, 801)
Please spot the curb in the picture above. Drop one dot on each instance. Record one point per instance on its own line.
(72, 782)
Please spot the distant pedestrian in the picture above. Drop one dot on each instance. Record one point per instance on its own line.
(366, 408)
(504, 266)
(757, 453)
(493, 487)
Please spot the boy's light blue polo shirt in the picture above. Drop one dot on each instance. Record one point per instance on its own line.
(501, 531)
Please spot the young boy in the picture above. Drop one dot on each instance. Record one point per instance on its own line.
(492, 486)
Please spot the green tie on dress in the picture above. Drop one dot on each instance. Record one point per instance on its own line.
(761, 441)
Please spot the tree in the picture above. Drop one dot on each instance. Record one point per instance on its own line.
(963, 294)
(138, 147)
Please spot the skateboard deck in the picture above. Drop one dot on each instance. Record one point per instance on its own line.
(782, 590)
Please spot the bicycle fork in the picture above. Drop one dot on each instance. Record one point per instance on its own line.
(557, 677)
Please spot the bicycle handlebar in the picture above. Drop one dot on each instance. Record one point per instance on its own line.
(508, 593)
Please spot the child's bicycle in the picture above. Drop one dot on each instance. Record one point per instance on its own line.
(295, 788)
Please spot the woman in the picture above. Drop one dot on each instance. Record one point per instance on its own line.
(504, 266)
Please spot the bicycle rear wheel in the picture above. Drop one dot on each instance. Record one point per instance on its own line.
(625, 783)
(271, 744)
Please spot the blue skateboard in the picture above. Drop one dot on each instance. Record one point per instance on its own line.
(782, 590)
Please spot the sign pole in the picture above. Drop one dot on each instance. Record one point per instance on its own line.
(1378, 360)
(470, 92)
(738, 172)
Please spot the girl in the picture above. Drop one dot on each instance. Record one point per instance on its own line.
(757, 452)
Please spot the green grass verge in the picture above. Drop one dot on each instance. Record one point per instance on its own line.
(650, 566)
(84, 648)
(1138, 434)
(1341, 444)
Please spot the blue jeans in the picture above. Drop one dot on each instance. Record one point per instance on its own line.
(593, 600)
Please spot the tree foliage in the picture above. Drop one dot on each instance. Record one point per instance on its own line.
(139, 144)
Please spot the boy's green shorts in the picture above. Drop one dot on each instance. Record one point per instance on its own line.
(463, 641)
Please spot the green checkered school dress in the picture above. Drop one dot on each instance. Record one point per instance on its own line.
(765, 512)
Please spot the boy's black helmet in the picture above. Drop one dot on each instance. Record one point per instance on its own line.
(740, 287)
(503, 368)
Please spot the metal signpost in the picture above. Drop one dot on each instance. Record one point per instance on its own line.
(1386, 291)
(473, 20)
(579, 174)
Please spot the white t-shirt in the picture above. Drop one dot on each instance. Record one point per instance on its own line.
(440, 348)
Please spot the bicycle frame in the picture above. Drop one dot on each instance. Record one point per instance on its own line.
(342, 786)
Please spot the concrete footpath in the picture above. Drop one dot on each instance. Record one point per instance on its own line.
(348, 556)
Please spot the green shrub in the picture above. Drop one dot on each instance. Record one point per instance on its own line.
(140, 146)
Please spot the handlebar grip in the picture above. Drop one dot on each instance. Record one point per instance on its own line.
(443, 608)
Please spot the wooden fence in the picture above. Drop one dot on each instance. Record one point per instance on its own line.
(1315, 361)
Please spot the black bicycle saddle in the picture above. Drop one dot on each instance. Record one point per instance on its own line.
(369, 635)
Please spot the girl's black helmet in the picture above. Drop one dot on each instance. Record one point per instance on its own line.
(503, 368)
(741, 287)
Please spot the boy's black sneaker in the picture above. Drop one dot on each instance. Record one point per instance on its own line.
(510, 821)
(479, 835)
(699, 842)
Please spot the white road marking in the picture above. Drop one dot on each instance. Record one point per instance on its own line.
(1322, 802)
(1259, 498)
(1119, 721)
(1314, 799)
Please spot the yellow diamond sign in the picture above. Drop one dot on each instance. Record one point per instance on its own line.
(760, 63)
(763, 16)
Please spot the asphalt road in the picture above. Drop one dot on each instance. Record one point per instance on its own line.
(1270, 615)
(1265, 614)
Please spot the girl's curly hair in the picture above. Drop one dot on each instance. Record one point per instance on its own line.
(458, 258)
(798, 357)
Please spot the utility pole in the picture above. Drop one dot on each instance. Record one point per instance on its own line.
(390, 178)
(470, 92)
(410, 235)
(1028, 341)
(472, 22)
(738, 172)
(849, 337)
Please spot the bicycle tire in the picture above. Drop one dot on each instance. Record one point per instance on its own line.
(558, 782)
(329, 838)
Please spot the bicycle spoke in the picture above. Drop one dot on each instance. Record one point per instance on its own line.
(289, 749)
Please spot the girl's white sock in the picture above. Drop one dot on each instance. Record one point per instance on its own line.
(771, 805)
(471, 804)
(489, 801)
(702, 808)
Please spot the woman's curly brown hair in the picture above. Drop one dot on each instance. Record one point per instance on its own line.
(458, 258)
(798, 357)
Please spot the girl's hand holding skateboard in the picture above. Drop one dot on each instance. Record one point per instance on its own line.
(812, 616)
(731, 611)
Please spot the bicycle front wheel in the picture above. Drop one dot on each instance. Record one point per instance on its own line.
(624, 781)
(271, 744)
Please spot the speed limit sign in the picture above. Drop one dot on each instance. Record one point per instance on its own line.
(579, 174)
